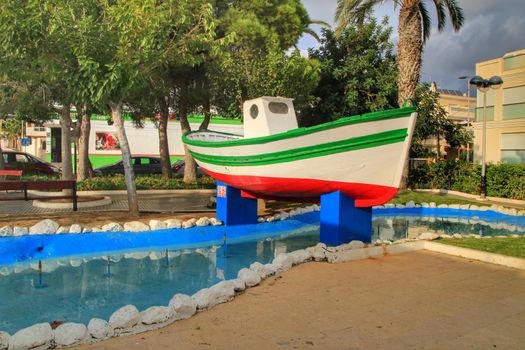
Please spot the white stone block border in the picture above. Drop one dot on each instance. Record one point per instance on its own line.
(106, 200)
(205, 221)
(128, 320)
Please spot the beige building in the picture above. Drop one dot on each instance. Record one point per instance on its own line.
(460, 109)
(505, 110)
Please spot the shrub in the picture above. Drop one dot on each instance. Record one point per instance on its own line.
(152, 182)
(503, 180)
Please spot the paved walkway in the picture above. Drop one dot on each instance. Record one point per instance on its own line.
(419, 300)
(193, 202)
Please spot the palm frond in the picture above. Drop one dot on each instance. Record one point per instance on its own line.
(441, 14)
(426, 21)
(353, 11)
(456, 14)
(319, 22)
(312, 33)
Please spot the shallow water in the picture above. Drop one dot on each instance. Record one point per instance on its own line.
(76, 289)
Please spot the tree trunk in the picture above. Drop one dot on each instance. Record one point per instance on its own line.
(129, 176)
(206, 107)
(2, 163)
(65, 128)
(164, 149)
(409, 50)
(190, 167)
(84, 169)
(438, 153)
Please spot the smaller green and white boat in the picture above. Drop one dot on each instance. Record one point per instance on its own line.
(362, 156)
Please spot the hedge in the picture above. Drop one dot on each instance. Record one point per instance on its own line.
(503, 180)
(151, 182)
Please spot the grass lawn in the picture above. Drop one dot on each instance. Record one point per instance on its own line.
(505, 246)
(404, 196)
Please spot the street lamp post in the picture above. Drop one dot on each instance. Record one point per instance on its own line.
(467, 78)
(483, 85)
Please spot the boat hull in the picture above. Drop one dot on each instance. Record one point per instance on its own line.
(364, 160)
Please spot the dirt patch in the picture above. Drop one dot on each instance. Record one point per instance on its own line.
(99, 218)
(93, 219)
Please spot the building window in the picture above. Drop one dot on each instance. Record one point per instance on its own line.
(490, 106)
(514, 103)
(514, 62)
(513, 148)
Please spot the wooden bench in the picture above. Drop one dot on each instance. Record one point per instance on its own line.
(6, 173)
(41, 185)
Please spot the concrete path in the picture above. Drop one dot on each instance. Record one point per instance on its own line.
(419, 300)
(192, 202)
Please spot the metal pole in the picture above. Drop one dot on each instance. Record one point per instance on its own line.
(468, 115)
(484, 148)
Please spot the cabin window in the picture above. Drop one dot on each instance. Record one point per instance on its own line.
(278, 107)
(254, 111)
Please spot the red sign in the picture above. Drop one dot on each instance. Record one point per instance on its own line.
(221, 191)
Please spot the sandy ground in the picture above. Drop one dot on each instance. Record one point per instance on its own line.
(419, 300)
(94, 218)
(99, 218)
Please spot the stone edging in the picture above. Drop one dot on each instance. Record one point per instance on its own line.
(48, 226)
(81, 205)
(472, 196)
(128, 320)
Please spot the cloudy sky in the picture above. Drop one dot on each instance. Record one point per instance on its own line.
(491, 28)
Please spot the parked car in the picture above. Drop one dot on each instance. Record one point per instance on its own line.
(144, 166)
(178, 169)
(141, 166)
(28, 163)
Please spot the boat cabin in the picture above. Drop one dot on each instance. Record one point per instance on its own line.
(265, 116)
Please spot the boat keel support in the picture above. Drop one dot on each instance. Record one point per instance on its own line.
(342, 221)
(233, 208)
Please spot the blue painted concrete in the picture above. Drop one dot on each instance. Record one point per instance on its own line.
(26, 248)
(341, 222)
(232, 208)
(485, 215)
(40, 247)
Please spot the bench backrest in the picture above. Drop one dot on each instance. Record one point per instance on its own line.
(10, 172)
(37, 185)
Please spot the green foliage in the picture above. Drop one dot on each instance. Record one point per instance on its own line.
(274, 74)
(503, 180)
(432, 122)
(116, 182)
(358, 71)
(152, 182)
(253, 62)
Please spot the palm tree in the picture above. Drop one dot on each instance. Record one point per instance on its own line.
(312, 32)
(414, 29)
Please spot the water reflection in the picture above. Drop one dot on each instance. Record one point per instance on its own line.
(394, 228)
(79, 288)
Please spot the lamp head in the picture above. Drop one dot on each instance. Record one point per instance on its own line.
(495, 82)
(477, 81)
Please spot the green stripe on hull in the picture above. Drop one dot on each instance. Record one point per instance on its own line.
(365, 118)
(351, 144)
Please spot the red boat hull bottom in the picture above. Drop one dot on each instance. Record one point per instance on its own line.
(306, 190)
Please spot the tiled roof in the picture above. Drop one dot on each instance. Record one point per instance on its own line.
(450, 92)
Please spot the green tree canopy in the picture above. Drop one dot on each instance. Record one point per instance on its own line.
(433, 122)
(358, 72)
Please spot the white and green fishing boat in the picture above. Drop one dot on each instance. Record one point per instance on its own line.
(362, 156)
